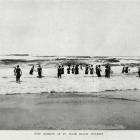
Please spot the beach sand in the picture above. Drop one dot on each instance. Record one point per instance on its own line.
(51, 112)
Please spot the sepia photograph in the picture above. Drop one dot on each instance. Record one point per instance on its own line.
(69, 65)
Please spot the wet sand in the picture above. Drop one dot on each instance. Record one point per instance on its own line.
(52, 112)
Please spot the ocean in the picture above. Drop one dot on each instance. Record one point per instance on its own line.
(69, 84)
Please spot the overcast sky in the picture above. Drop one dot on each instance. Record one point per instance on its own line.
(70, 27)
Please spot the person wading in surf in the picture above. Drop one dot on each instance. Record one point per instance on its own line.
(39, 70)
(18, 73)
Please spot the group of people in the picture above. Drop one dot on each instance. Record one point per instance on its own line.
(18, 72)
(71, 70)
(88, 70)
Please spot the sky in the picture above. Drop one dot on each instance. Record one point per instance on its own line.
(70, 27)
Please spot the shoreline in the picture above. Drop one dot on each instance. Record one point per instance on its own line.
(108, 111)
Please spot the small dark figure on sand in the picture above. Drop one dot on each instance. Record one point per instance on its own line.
(39, 70)
(91, 69)
(59, 71)
(18, 73)
(86, 69)
(32, 70)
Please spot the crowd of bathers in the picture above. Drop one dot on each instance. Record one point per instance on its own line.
(72, 69)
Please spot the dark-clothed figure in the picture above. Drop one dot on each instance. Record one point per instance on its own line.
(86, 69)
(76, 69)
(18, 73)
(62, 69)
(59, 70)
(126, 69)
(73, 69)
(139, 71)
(68, 69)
(107, 71)
(39, 70)
(91, 69)
(32, 70)
(98, 70)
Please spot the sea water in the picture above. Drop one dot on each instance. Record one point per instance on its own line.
(69, 83)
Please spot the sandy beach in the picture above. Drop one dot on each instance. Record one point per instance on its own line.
(48, 111)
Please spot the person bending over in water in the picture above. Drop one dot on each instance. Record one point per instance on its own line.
(32, 70)
(39, 70)
(59, 70)
(18, 73)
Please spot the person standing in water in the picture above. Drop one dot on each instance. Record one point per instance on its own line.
(39, 70)
(68, 69)
(91, 69)
(32, 70)
(86, 69)
(107, 71)
(98, 70)
(76, 69)
(18, 73)
(139, 71)
(73, 69)
(62, 69)
(59, 71)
